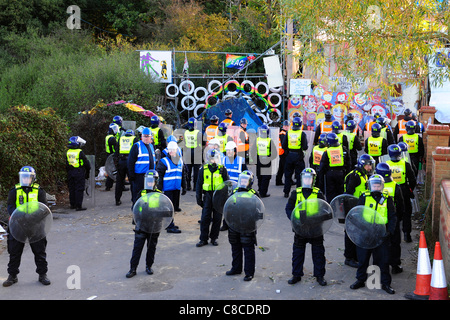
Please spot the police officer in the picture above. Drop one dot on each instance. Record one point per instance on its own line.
(324, 127)
(243, 244)
(317, 152)
(403, 174)
(416, 148)
(307, 191)
(26, 191)
(243, 145)
(265, 153)
(400, 127)
(356, 185)
(386, 131)
(159, 140)
(141, 159)
(228, 121)
(172, 179)
(354, 145)
(121, 161)
(222, 136)
(342, 137)
(334, 165)
(211, 130)
(119, 121)
(140, 237)
(210, 176)
(110, 148)
(295, 144)
(281, 153)
(193, 152)
(376, 145)
(77, 167)
(394, 190)
(380, 201)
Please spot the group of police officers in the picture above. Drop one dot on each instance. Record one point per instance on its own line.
(383, 177)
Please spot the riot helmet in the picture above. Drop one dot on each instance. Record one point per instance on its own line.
(375, 183)
(113, 128)
(213, 157)
(395, 153)
(335, 126)
(27, 176)
(350, 125)
(323, 140)
(222, 128)
(332, 140)
(376, 130)
(154, 121)
(192, 123)
(308, 177)
(297, 123)
(327, 115)
(410, 127)
(245, 179)
(367, 163)
(151, 178)
(118, 120)
(214, 119)
(384, 170)
(263, 131)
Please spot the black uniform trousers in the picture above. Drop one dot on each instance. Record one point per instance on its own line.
(334, 181)
(15, 250)
(174, 196)
(242, 251)
(406, 217)
(350, 248)
(381, 258)
(139, 241)
(280, 172)
(294, 164)
(298, 255)
(210, 218)
(76, 183)
(137, 185)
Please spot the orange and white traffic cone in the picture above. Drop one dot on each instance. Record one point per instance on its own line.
(423, 277)
(438, 285)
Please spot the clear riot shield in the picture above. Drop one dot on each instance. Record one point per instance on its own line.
(275, 136)
(110, 167)
(365, 227)
(90, 182)
(222, 193)
(341, 205)
(129, 125)
(273, 158)
(244, 212)
(153, 212)
(30, 222)
(312, 218)
(167, 129)
(234, 132)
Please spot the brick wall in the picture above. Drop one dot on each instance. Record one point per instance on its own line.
(435, 136)
(440, 171)
(444, 229)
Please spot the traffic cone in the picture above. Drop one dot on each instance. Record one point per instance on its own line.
(423, 277)
(438, 285)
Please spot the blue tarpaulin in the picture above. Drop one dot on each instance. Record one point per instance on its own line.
(240, 109)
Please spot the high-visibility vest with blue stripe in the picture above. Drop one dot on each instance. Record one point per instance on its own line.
(173, 174)
(234, 168)
(142, 164)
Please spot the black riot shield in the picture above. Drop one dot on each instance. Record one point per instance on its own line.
(365, 227)
(341, 205)
(312, 218)
(153, 212)
(30, 222)
(222, 193)
(110, 167)
(244, 212)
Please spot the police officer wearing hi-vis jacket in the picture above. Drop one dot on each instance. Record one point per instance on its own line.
(140, 160)
(295, 143)
(334, 165)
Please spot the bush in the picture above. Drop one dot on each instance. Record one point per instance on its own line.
(34, 138)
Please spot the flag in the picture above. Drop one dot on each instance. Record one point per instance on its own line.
(234, 61)
(186, 64)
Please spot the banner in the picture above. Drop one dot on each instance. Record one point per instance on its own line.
(157, 64)
(236, 62)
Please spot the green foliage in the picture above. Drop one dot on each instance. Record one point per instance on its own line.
(34, 138)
